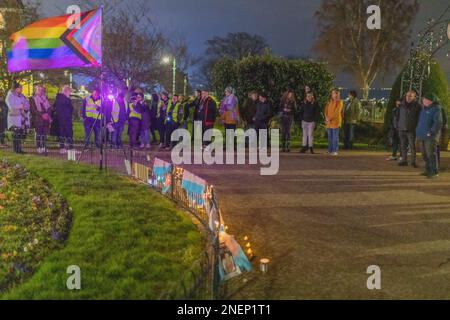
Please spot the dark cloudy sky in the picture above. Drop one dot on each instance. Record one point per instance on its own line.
(288, 25)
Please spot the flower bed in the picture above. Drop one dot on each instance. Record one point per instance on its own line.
(34, 221)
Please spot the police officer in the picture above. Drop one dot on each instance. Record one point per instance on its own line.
(173, 119)
(135, 120)
(91, 113)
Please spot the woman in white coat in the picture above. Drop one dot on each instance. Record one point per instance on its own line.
(18, 116)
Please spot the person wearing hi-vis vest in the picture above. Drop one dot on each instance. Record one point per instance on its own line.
(92, 117)
(119, 116)
(173, 119)
(134, 120)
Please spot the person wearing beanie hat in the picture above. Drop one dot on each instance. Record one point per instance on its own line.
(428, 133)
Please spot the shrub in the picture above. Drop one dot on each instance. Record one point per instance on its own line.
(272, 75)
(436, 83)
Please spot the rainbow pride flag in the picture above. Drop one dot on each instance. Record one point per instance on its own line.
(51, 44)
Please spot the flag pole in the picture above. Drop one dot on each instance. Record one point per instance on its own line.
(102, 123)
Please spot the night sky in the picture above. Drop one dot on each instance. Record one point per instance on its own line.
(288, 25)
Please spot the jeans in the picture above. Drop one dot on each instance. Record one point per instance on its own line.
(408, 138)
(429, 150)
(116, 136)
(41, 137)
(395, 143)
(286, 126)
(91, 125)
(349, 135)
(145, 137)
(333, 140)
(308, 133)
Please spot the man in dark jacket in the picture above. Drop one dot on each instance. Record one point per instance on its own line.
(428, 132)
(249, 109)
(352, 113)
(393, 131)
(407, 124)
(262, 115)
(207, 112)
(444, 139)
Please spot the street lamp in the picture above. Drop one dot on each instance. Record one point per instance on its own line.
(69, 74)
(166, 60)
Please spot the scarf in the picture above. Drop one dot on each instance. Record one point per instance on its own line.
(42, 104)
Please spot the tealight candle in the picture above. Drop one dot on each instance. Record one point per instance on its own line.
(264, 265)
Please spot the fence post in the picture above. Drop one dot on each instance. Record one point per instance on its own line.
(172, 181)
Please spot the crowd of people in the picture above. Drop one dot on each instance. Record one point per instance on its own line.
(163, 114)
(414, 123)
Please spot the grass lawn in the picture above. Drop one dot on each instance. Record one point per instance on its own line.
(129, 242)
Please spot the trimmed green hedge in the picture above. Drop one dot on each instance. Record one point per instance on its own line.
(272, 75)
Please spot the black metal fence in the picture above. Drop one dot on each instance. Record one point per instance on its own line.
(202, 281)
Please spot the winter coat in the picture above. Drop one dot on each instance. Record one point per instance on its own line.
(249, 111)
(229, 110)
(334, 113)
(18, 110)
(40, 118)
(146, 116)
(412, 112)
(207, 112)
(288, 108)
(309, 112)
(352, 112)
(430, 123)
(262, 112)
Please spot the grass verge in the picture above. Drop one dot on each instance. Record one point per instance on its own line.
(129, 242)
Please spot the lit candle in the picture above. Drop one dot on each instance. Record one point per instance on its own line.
(264, 265)
(245, 238)
(250, 253)
(248, 245)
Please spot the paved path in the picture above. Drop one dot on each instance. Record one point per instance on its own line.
(322, 221)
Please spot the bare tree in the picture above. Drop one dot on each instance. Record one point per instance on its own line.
(235, 46)
(347, 43)
(13, 17)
